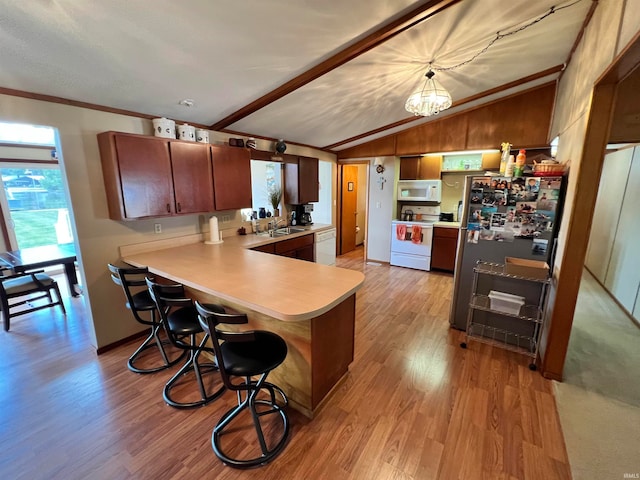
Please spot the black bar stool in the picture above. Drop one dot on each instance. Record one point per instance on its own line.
(246, 354)
(129, 279)
(180, 320)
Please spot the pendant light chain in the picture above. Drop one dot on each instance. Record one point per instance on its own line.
(500, 36)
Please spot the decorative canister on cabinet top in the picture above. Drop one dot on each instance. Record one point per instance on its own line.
(202, 136)
(163, 127)
(187, 132)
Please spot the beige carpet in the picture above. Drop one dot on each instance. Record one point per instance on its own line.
(599, 399)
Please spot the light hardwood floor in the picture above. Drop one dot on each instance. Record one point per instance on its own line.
(414, 405)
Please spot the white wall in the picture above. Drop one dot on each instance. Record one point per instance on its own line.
(361, 224)
(382, 209)
(597, 49)
(323, 210)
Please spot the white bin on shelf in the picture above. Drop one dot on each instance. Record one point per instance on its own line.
(506, 302)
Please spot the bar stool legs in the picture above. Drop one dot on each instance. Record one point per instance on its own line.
(192, 365)
(241, 356)
(251, 402)
(153, 341)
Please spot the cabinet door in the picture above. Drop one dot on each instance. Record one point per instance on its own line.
(192, 183)
(305, 253)
(301, 181)
(421, 168)
(445, 241)
(231, 177)
(308, 180)
(430, 168)
(145, 176)
(409, 168)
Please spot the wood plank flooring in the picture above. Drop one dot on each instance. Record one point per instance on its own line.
(414, 405)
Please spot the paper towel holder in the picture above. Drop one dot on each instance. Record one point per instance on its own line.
(213, 227)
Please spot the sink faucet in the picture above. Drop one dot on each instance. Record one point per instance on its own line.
(273, 225)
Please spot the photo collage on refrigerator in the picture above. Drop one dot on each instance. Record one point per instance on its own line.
(504, 209)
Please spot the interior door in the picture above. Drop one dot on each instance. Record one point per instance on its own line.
(349, 211)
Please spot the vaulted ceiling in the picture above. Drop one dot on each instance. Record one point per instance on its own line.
(325, 73)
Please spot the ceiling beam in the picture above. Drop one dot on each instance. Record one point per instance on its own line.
(405, 22)
(477, 96)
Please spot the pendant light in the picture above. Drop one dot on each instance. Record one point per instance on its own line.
(430, 100)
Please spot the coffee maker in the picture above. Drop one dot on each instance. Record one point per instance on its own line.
(303, 214)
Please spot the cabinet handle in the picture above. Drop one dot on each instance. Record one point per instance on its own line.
(168, 208)
(179, 207)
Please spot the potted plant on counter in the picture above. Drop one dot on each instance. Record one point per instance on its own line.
(275, 195)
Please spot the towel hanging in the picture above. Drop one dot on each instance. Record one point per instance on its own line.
(401, 231)
(416, 234)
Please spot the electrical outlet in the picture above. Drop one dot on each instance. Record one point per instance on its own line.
(157, 227)
(226, 219)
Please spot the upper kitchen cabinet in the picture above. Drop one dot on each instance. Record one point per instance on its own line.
(154, 177)
(231, 177)
(301, 181)
(137, 175)
(421, 168)
(191, 177)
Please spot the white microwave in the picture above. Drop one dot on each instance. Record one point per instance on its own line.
(419, 190)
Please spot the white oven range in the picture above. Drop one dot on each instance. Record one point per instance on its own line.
(407, 248)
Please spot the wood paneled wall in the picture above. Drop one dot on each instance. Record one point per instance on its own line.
(522, 119)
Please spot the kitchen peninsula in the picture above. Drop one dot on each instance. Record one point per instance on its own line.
(311, 306)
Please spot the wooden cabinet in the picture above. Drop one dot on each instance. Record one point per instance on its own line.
(421, 168)
(231, 177)
(301, 181)
(153, 177)
(268, 248)
(302, 248)
(191, 168)
(137, 175)
(445, 242)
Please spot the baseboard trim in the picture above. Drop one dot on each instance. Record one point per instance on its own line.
(121, 342)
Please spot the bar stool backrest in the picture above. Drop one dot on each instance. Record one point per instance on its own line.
(209, 321)
(129, 278)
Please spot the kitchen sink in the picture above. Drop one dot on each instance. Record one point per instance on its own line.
(284, 231)
(279, 232)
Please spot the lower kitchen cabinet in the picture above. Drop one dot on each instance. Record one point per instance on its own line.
(302, 248)
(299, 247)
(445, 243)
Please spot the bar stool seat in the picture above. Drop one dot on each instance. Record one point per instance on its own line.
(247, 354)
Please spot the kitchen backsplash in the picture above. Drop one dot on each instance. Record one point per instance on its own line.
(452, 189)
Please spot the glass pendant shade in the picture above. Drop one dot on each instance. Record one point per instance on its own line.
(430, 100)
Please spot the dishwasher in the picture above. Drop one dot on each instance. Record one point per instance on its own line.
(325, 247)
